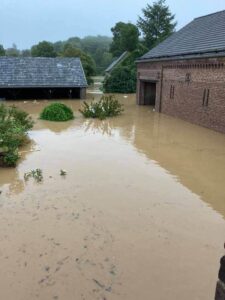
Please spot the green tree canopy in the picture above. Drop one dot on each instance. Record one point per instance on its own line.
(91, 44)
(43, 49)
(58, 46)
(2, 51)
(157, 23)
(87, 62)
(95, 46)
(125, 38)
(98, 48)
(75, 42)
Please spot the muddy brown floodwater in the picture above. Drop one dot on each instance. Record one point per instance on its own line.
(139, 215)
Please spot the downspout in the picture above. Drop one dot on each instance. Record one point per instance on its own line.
(161, 88)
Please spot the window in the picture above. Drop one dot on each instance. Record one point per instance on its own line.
(188, 77)
(205, 100)
(172, 89)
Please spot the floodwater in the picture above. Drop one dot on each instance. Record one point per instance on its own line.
(139, 215)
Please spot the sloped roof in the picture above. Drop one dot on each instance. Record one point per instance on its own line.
(41, 72)
(204, 36)
(116, 62)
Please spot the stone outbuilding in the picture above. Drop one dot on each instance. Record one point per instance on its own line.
(41, 78)
(184, 76)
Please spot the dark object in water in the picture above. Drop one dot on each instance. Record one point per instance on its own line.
(222, 270)
(220, 287)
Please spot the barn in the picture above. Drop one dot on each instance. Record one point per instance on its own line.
(41, 78)
(184, 76)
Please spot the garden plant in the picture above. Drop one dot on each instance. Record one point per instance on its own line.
(36, 174)
(14, 125)
(107, 106)
(57, 112)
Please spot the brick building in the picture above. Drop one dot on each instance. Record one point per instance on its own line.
(184, 76)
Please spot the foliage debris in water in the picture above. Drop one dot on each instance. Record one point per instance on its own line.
(63, 172)
(107, 106)
(14, 125)
(36, 174)
(58, 112)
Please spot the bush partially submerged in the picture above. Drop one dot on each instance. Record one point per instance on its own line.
(58, 112)
(36, 174)
(14, 125)
(107, 106)
(122, 80)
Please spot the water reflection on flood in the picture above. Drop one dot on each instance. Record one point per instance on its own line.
(144, 199)
(195, 155)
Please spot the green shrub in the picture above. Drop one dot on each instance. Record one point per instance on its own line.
(58, 112)
(124, 77)
(122, 80)
(14, 125)
(107, 106)
(10, 158)
(15, 116)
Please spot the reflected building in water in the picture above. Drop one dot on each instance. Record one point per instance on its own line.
(193, 154)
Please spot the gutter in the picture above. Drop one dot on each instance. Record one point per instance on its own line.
(161, 88)
(183, 56)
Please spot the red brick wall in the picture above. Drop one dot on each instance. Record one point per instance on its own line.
(188, 95)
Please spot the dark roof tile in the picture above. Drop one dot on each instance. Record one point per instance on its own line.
(203, 35)
(41, 72)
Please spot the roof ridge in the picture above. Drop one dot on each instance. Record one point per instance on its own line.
(217, 12)
(36, 57)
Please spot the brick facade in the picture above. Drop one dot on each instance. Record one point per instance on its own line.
(193, 89)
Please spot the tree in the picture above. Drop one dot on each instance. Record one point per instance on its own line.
(87, 62)
(2, 51)
(106, 59)
(125, 38)
(157, 23)
(25, 53)
(98, 48)
(13, 51)
(75, 42)
(91, 44)
(43, 49)
(58, 46)
(124, 77)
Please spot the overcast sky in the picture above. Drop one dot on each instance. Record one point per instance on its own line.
(26, 22)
